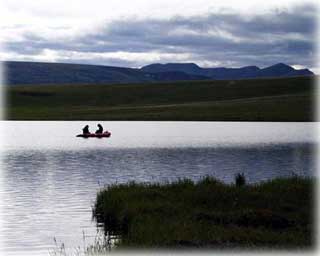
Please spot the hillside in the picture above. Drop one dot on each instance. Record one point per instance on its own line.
(281, 99)
(60, 73)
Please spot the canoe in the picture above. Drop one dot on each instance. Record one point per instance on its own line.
(95, 135)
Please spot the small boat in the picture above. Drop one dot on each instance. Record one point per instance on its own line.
(105, 134)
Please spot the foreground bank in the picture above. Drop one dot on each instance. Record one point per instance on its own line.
(209, 214)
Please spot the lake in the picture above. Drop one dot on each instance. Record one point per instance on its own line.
(49, 177)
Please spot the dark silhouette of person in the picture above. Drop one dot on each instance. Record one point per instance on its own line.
(100, 130)
(86, 129)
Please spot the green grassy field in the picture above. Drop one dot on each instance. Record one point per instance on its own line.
(276, 214)
(285, 99)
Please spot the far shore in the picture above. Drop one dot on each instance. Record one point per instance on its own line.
(278, 99)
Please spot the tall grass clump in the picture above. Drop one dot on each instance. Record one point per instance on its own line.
(209, 214)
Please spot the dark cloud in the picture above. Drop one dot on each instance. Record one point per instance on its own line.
(278, 36)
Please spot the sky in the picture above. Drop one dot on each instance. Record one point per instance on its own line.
(135, 33)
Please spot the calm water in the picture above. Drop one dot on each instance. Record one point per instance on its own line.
(50, 177)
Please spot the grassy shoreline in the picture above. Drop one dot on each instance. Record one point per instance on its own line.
(276, 214)
(280, 99)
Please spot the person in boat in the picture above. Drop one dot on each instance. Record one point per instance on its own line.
(100, 129)
(86, 129)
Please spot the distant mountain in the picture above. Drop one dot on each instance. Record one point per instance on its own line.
(188, 68)
(174, 76)
(283, 70)
(24, 73)
(232, 73)
(278, 70)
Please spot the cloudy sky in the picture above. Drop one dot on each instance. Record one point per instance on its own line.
(139, 32)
